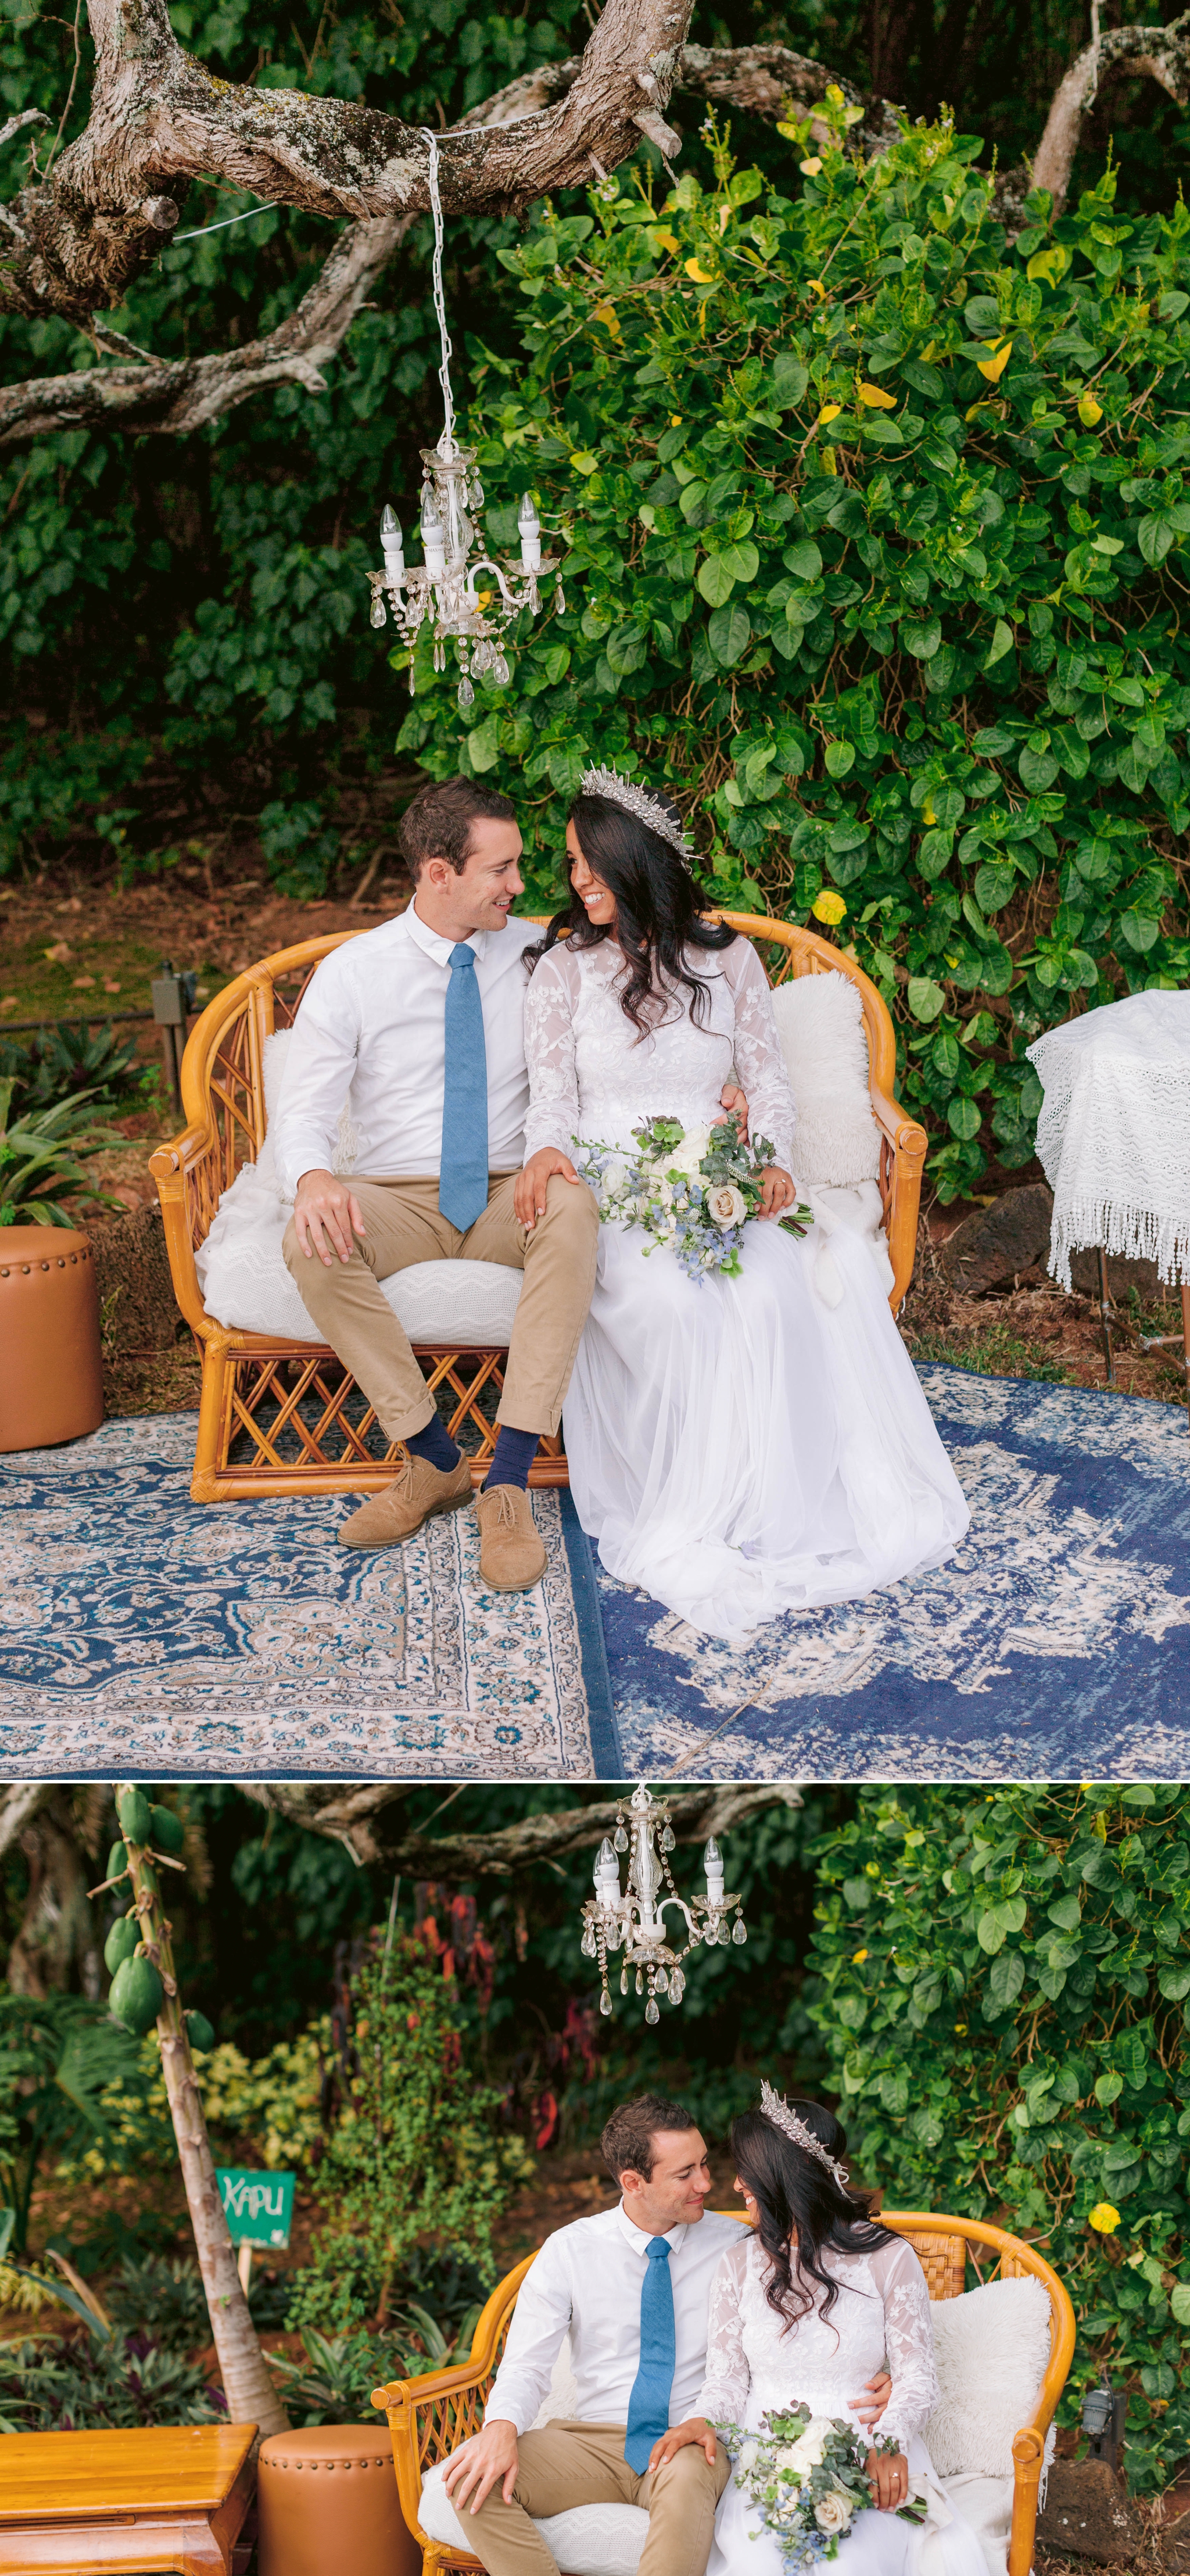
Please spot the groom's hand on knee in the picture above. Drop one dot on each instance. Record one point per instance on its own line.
(529, 1187)
(326, 1216)
(490, 2460)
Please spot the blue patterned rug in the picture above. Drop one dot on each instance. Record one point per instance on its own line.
(1054, 1645)
(146, 1634)
(142, 1633)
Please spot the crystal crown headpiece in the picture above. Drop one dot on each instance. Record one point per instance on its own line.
(637, 800)
(778, 2111)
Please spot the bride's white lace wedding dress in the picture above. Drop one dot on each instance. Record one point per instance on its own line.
(757, 2364)
(736, 1447)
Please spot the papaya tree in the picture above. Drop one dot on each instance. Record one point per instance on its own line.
(144, 1991)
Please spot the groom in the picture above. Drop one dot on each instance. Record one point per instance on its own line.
(631, 2288)
(422, 1019)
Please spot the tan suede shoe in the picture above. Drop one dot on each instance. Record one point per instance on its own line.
(416, 1490)
(511, 1555)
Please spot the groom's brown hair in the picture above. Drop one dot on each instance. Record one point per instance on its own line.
(628, 2139)
(436, 824)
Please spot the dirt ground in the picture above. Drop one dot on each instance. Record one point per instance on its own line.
(79, 948)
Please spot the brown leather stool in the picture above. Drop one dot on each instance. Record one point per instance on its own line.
(327, 2499)
(51, 1387)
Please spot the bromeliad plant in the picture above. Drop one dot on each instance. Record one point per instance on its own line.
(1004, 1992)
(879, 526)
(42, 1155)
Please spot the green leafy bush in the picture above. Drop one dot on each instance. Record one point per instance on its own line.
(61, 1062)
(1002, 1989)
(412, 2158)
(877, 531)
(60, 2058)
(42, 1157)
(75, 2383)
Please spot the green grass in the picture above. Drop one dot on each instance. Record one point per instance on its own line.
(998, 1352)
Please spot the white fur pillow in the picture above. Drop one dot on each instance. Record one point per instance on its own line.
(991, 2351)
(820, 1022)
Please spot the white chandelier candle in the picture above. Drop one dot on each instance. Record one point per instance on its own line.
(469, 598)
(632, 1921)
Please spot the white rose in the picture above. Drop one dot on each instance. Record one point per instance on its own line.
(687, 1156)
(809, 2451)
(834, 2512)
(615, 1174)
(748, 2458)
(725, 1205)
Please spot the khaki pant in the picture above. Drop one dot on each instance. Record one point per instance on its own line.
(404, 1224)
(572, 2464)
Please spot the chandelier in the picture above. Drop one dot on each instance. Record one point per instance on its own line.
(446, 588)
(632, 1922)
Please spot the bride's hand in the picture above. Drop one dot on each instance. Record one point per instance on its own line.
(529, 1187)
(734, 1103)
(695, 2429)
(778, 1192)
(889, 2475)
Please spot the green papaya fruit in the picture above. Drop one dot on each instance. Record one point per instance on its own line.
(167, 1833)
(133, 1810)
(121, 1942)
(137, 1996)
(199, 2031)
(117, 1861)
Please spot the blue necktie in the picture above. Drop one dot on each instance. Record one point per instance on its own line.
(648, 2406)
(463, 1173)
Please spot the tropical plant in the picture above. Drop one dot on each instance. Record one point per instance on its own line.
(59, 2055)
(81, 2383)
(876, 525)
(412, 2157)
(62, 1061)
(333, 2383)
(1001, 1983)
(42, 1157)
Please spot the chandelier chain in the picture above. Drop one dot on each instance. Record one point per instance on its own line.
(448, 435)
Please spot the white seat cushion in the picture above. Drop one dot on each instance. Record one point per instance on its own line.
(589, 2539)
(991, 2351)
(244, 1281)
(820, 1022)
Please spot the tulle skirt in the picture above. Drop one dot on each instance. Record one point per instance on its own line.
(738, 1447)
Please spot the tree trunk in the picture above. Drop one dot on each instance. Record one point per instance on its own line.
(56, 1949)
(251, 2396)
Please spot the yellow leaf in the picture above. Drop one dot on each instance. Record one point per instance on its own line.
(874, 398)
(858, 1957)
(834, 95)
(606, 313)
(702, 275)
(584, 462)
(1103, 2218)
(666, 240)
(993, 367)
(829, 411)
(792, 133)
(928, 815)
(484, 598)
(1049, 264)
(810, 169)
(724, 218)
(927, 354)
(828, 906)
(827, 461)
(1089, 411)
(675, 420)
(816, 286)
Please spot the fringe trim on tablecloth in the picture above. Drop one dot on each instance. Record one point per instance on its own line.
(1133, 1233)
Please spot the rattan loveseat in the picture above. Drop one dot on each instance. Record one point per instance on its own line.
(428, 2417)
(282, 1417)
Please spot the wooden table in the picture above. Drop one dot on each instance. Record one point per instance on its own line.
(171, 2497)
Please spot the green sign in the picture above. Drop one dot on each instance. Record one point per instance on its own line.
(258, 2207)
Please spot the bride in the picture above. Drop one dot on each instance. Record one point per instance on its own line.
(736, 1447)
(810, 2304)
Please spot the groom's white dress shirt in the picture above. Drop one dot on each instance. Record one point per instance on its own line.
(587, 2282)
(372, 1025)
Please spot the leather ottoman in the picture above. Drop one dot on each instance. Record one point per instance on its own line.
(327, 2499)
(52, 1386)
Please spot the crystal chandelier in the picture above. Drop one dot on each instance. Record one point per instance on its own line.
(632, 1922)
(447, 588)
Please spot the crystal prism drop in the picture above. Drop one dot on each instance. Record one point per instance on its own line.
(662, 1981)
(379, 613)
(623, 1981)
(668, 1838)
(651, 2012)
(738, 1933)
(640, 1983)
(466, 693)
(619, 1839)
(677, 1986)
(587, 1944)
(560, 599)
(476, 493)
(500, 671)
(605, 2001)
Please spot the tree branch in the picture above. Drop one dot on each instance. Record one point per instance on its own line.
(1163, 53)
(359, 1818)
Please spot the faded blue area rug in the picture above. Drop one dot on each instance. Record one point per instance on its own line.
(141, 1633)
(1055, 1644)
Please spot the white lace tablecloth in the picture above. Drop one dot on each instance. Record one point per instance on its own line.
(1113, 1136)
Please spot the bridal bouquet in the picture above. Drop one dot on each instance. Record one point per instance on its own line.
(692, 1188)
(807, 2474)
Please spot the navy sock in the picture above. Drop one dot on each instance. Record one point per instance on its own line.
(435, 1443)
(515, 1453)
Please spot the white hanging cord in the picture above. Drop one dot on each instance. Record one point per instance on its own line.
(224, 221)
(448, 435)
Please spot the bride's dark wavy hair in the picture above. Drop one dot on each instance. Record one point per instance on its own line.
(657, 901)
(796, 2197)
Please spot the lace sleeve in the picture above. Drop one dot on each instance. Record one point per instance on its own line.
(552, 1117)
(908, 2342)
(723, 2396)
(758, 1058)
